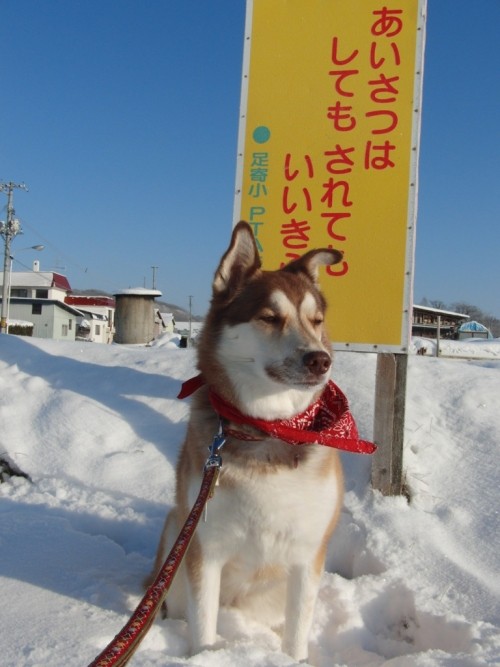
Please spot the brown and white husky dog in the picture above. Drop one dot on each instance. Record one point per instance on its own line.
(263, 349)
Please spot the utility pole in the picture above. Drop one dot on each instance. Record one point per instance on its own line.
(154, 276)
(8, 230)
(190, 320)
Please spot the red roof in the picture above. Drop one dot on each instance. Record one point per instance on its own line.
(90, 300)
(60, 281)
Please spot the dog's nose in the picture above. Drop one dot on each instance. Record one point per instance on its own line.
(317, 362)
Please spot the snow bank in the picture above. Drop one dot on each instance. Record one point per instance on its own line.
(97, 428)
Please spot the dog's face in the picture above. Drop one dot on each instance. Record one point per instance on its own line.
(275, 327)
(271, 340)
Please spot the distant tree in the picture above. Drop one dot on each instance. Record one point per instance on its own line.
(493, 324)
(473, 312)
(436, 303)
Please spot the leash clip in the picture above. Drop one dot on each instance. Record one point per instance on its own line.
(214, 461)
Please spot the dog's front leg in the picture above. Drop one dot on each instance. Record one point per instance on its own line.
(302, 589)
(203, 601)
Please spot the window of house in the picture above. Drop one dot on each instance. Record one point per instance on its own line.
(64, 330)
(18, 291)
(97, 329)
(36, 309)
(42, 293)
(70, 324)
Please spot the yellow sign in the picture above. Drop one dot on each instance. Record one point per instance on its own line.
(328, 152)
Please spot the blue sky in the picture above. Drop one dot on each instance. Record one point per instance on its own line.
(121, 116)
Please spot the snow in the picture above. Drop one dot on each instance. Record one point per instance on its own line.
(97, 429)
(138, 291)
(19, 323)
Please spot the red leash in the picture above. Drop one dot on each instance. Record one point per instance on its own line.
(119, 651)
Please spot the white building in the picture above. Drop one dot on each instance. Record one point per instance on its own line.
(44, 299)
(38, 297)
(97, 320)
(165, 322)
(38, 284)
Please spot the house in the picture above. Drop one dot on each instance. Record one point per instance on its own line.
(38, 284)
(428, 321)
(92, 328)
(43, 298)
(164, 323)
(38, 297)
(97, 318)
(50, 318)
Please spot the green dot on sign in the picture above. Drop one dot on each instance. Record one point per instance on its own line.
(261, 134)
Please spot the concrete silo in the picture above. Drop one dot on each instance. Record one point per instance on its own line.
(134, 315)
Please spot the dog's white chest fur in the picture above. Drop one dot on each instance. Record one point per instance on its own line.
(264, 521)
(262, 538)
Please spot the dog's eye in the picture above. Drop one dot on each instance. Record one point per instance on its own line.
(317, 321)
(270, 318)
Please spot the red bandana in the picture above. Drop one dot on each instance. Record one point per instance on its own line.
(327, 421)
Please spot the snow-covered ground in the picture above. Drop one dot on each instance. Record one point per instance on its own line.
(97, 428)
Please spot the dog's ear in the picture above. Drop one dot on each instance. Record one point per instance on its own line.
(310, 262)
(239, 263)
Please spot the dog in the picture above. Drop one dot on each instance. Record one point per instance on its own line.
(263, 351)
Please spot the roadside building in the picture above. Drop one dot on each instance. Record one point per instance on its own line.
(428, 321)
(97, 319)
(38, 297)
